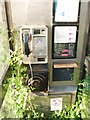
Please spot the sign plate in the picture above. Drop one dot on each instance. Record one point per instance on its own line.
(56, 104)
(65, 34)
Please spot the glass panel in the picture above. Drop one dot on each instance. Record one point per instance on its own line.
(63, 74)
(0, 14)
(4, 44)
(64, 41)
(66, 10)
(31, 12)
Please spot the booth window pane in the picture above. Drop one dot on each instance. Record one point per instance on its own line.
(63, 74)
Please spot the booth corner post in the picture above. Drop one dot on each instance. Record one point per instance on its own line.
(7, 5)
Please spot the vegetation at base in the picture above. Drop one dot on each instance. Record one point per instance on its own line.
(18, 101)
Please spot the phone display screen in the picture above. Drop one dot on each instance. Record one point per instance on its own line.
(39, 45)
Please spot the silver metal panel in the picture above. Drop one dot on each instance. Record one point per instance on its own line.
(83, 36)
(29, 12)
(0, 14)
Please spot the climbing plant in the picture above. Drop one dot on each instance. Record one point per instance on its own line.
(18, 100)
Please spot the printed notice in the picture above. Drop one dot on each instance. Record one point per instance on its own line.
(66, 10)
(65, 34)
(56, 104)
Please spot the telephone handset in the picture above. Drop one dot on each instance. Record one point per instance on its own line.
(26, 40)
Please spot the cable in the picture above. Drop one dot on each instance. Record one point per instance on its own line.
(31, 79)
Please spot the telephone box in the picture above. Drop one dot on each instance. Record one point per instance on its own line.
(53, 39)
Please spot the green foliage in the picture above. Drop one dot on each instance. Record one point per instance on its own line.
(20, 92)
(18, 101)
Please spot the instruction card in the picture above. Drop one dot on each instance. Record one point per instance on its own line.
(65, 34)
(66, 10)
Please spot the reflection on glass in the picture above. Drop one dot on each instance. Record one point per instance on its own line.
(66, 10)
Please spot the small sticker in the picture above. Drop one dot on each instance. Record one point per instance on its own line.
(56, 104)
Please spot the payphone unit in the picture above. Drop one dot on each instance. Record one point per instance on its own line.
(34, 43)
